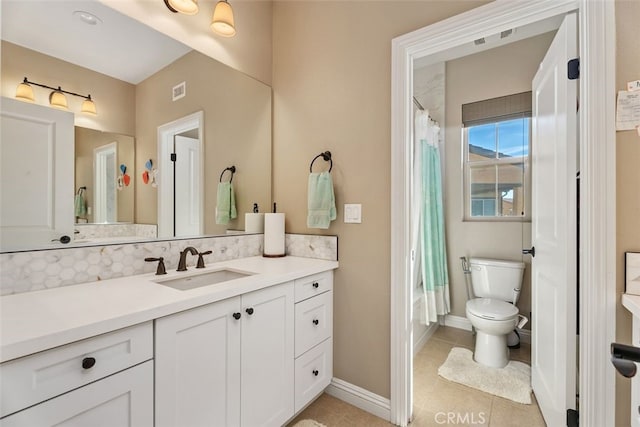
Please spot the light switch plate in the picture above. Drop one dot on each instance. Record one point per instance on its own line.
(353, 213)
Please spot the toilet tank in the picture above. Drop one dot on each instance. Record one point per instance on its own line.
(492, 278)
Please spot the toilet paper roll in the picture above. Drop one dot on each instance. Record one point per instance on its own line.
(254, 223)
(274, 235)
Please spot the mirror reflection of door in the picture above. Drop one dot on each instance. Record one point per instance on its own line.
(187, 185)
(180, 180)
(105, 183)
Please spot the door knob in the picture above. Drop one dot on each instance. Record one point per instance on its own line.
(531, 251)
(624, 358)
(237, 316)
(249, 311)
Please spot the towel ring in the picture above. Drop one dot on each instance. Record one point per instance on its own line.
(232, 169)
(326, 156)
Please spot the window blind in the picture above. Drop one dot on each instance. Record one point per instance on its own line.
(496, 109)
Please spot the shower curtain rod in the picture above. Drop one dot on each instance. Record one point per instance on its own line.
(415, 101)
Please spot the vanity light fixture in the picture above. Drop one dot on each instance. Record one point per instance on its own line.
(222, 22)
(57, 97)
(187, 7)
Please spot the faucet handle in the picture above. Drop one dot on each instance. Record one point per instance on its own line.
(161, 269)
(201, 259)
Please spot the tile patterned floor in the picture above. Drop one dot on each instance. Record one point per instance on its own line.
(438, 402)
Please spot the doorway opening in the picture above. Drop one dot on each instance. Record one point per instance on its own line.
(181, 177)
(597, 322)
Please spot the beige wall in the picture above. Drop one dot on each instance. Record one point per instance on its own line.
(628, 183)
(114, 98)
(332, 91)
(237, 131)
(497, 72)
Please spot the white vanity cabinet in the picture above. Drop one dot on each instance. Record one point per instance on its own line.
(229, 363)
(105, 380)
(313, 336)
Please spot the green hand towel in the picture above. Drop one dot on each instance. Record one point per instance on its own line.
(226, 203)
(79, 206)
(321, 200)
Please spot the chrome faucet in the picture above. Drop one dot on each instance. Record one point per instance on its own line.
(182, 264)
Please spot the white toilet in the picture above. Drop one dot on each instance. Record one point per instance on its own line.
(496, 287)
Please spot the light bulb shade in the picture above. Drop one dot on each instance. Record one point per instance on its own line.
(58, 100)
(222, 22)
(188, 7)
(24, 91)
(89, 107)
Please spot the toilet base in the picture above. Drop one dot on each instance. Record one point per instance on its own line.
(491, 350)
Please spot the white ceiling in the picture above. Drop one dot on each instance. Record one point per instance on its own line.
(119, 46)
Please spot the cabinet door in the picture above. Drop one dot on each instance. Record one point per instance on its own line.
(123, 399)
(198, 366)
(267, 356)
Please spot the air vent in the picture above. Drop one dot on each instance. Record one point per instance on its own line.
(478, 42)
(179, 91)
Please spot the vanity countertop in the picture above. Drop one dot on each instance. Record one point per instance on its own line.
(632, 303)
(36, 321)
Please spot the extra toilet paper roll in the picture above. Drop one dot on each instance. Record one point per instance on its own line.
(254, 223)
(274, 235)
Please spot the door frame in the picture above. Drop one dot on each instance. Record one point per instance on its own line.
(166, 134)
(596, 39)
(99, 187)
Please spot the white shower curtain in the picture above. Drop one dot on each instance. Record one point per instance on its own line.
(429, 272)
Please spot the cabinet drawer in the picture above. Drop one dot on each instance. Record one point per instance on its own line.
(314, 371)
(123, 399)
(32, 379)
(314, 321)
(313, 285)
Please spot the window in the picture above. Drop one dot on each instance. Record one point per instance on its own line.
(496, 139)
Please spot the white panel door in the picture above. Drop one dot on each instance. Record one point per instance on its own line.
(188, 200)
(267, 356)
(198, 366)
(36, 174)
(554, 233)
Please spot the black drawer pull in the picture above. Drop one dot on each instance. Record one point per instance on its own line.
(237, 316)
(315, 372)
(88, 362)
(249, 311)
(316, 321)
(315, 285)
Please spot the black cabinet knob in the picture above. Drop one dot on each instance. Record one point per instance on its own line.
(249, 311)
(88, 362)
(315, 372)
(315, 285)
(316, 321)
(237, 316)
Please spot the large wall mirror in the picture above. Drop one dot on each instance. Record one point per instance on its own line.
(132, 72)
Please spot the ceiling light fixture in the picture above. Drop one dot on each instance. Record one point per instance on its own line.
(57, 99)
(222, 22)
(187, 7)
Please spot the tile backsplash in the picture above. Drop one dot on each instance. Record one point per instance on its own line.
(42, 269)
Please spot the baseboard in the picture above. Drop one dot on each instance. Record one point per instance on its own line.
(360, 398)
(457, 322)
(463, 323)
(420, 342)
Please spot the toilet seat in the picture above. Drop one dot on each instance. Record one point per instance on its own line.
(492, 309)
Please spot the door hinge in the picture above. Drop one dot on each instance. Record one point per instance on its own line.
(573, 69)
(173, 157)
(572, 418)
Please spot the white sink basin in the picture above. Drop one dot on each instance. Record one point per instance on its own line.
(205, 279)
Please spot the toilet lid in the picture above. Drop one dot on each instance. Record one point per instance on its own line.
(488, 308)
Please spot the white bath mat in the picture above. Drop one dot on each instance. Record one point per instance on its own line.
(308, 423)
(512, 382)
